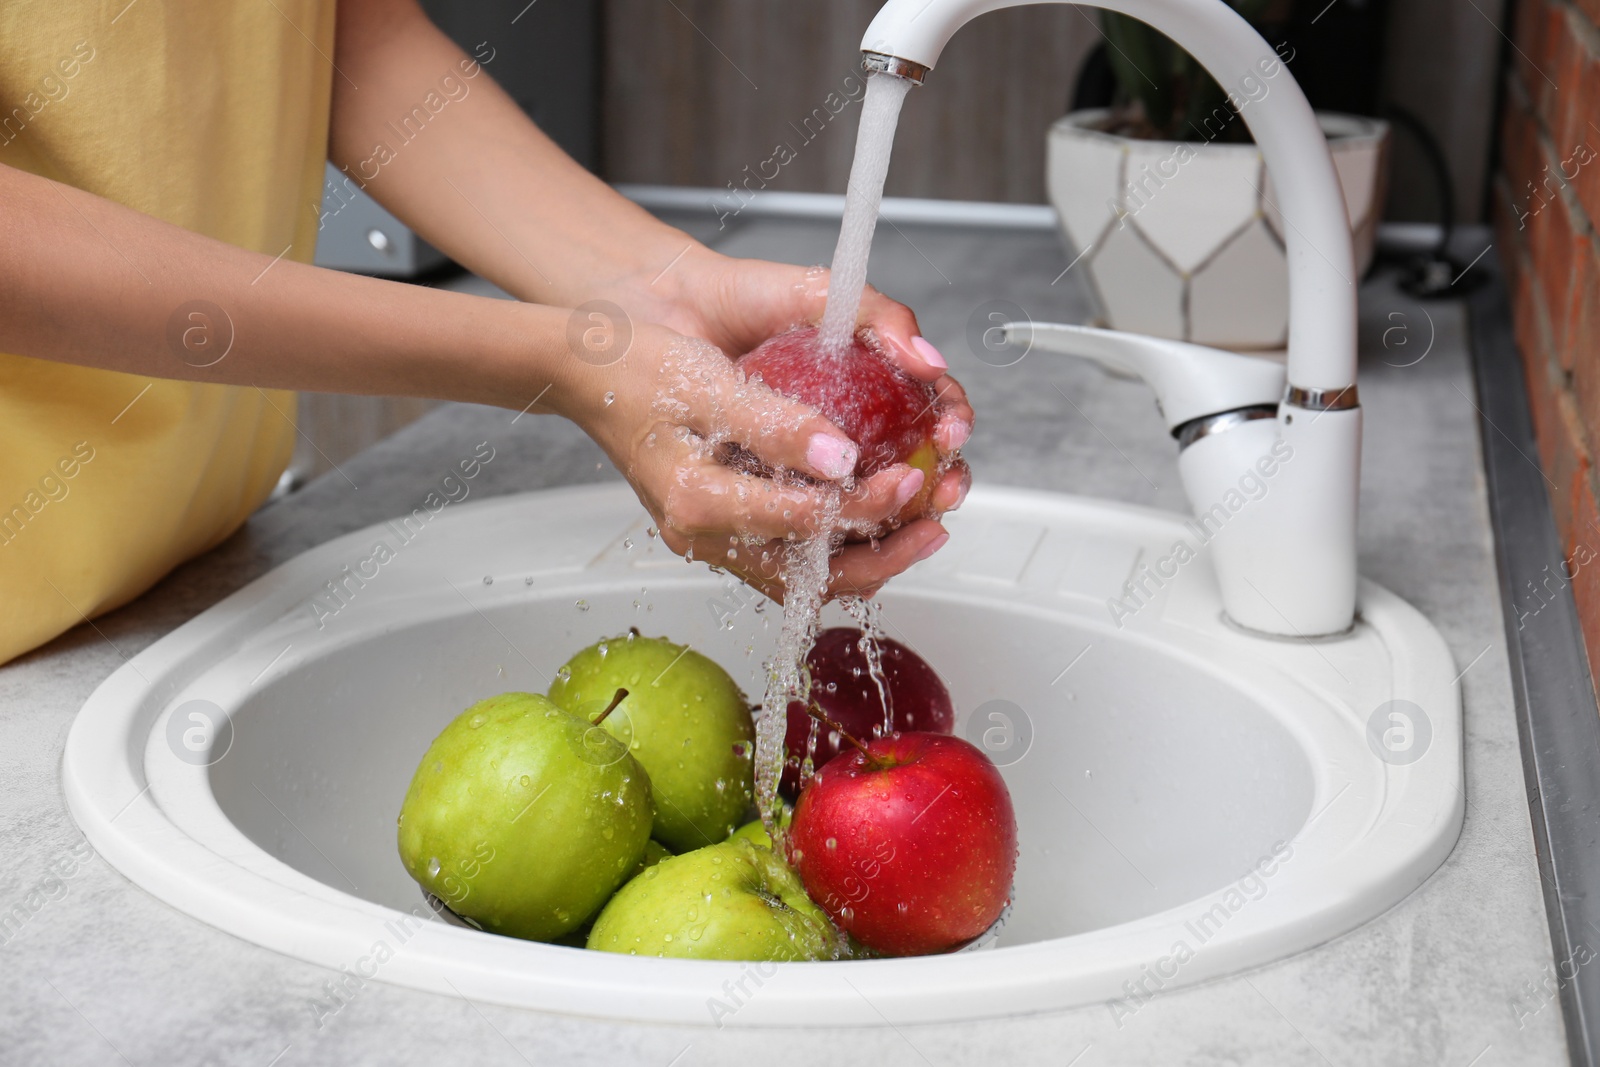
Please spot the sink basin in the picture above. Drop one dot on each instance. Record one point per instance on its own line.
(1193, 800)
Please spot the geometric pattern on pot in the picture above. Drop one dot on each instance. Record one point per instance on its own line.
(1150, 219)
(1138, 289)
(1090, 164)
(1163, 182)
(1250, 263)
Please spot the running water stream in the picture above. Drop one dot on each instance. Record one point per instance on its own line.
(806, 564)
(880, 114)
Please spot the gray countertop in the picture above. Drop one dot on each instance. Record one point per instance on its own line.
(94, 971)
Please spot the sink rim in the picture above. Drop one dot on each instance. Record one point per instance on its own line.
(254, 895)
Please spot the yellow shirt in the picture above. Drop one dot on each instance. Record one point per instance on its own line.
(209, 114)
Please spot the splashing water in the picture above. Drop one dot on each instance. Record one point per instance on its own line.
(880, 114)
(805, 581)
(805, 566)
(868, 615)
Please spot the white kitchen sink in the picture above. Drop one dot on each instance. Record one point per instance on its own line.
(1193, 799)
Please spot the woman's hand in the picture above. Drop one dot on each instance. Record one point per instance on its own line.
(686, 399)
(663, 410)
(738, 303)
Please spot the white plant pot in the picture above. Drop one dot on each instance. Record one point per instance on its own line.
(1183, 239)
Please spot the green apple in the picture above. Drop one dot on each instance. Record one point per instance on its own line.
(654, 853)
(729, 901)
(683, 719)
(755, 831)
(524, 818)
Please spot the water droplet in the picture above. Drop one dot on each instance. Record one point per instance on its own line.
(564, 674)
(433, 867)
(583, 605)
(487, 580)
(611, 398)
(627, 544)
(525, 781)
(831, 843)
(477, 720)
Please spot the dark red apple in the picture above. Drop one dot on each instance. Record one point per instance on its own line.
(884, 410)
(842, 686)
(910, 845)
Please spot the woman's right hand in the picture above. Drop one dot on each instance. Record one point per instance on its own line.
(664, 410)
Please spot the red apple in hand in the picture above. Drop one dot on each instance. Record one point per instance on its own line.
(842, 686)
(909, 843)
(884, 410)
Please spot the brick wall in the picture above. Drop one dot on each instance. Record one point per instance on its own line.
(1546, 207)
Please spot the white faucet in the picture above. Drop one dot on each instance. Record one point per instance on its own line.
(1270, 461)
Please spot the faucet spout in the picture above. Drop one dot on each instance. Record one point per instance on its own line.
(1286, 562)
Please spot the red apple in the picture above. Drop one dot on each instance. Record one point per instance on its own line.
(842, 686)
(909, 844)
(884, 410)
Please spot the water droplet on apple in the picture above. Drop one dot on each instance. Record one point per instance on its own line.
(565, 675)
(666, 937)
(477, 720)
(831, 843)
(608, 833)
(602, 648)
(525, 781)
(433, 867)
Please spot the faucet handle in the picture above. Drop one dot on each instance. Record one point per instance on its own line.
(1190, 381)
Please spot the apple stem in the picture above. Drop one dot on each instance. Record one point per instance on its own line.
(816, 712)
(622, 694)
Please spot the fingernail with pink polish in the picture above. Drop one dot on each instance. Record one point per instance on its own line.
(932, 546)
(830, 456)
(908, 487)
(928, 353)
(956, 434)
